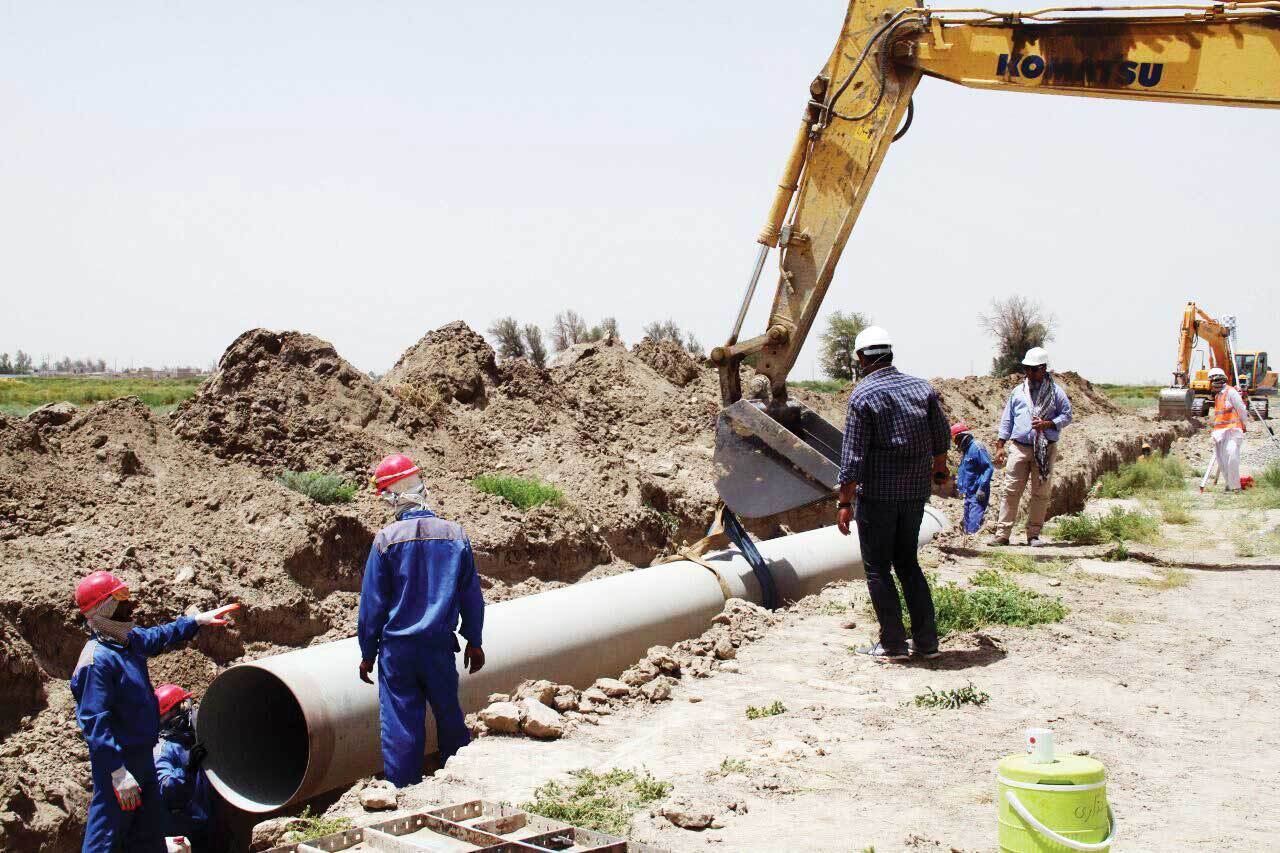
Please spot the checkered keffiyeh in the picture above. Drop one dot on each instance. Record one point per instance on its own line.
(894, 428)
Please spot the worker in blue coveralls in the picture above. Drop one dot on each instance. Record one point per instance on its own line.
(420, 577)
(187, 794)
(119, 715)
(973, 476)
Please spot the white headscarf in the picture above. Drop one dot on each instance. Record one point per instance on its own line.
(410, 499)
(104, 626)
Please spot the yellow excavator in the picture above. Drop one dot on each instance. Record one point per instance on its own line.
(772, 453)
(1190, 394)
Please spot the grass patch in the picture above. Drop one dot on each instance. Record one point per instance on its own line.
(1118, 525)
(1149, 476)
(732, 765)
(307, 826)
(321, 486)
(754, 713)
(993, 600)
(827, 386)
(833, 608)
(525, 493)
(21, 395)
(1007, 561)
(1146, 395)
(604, 802)
(670, 522)
(952, 699)
(1174, 509)
(1172, 579)
(1269, 478)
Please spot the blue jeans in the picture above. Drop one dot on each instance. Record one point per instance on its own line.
(889, 533)
(411, 676)
(111, 828)
(975, 510)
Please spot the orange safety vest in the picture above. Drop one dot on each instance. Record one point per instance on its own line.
(1225, 415)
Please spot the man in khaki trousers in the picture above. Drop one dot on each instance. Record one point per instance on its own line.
(1033, 419)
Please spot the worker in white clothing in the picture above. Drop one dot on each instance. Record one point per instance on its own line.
(1230, 421)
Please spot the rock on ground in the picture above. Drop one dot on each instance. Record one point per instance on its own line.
(540, 721)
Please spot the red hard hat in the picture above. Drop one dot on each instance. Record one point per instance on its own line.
(958, 427)
(169, 695)
(392, 469)
(96, 588)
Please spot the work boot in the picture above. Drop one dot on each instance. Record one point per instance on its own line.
(879, 652)
(930, 654)
(997, 541)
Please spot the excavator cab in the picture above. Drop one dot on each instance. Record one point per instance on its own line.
(772, 457)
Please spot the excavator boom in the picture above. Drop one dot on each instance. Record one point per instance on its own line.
(773, 454)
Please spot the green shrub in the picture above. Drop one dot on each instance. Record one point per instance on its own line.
(1014, 563)
(827, 386)
(1151, 475)
(1175, 509)
(994, 600)
(732, 765)
(604, 802)
(952, 699)
(754, 713)
(1270, 477)
(321, 486)
(524, 493)
(307, 826)
(1118, 525)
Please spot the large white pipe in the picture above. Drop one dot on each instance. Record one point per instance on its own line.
(284, 729)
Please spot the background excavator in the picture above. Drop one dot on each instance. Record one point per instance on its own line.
(774, 454)
(1190, 394)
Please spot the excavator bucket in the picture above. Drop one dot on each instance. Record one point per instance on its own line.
(1175, 404)
(771, 460)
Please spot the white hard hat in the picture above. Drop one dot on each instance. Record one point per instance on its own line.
(872, 338)
(1217, 373)
(1035, 357)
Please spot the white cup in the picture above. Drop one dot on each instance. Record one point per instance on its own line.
(1040, 746)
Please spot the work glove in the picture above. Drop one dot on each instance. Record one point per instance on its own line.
(217, 616)
(473, 658)
(177, 844)
(196, 756)
(127, 789)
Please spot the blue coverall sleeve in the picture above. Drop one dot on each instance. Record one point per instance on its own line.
(1006, 419)
(470, 599)
(161, 638)
(986, 469)
(375, 603)
(175, 782)
(94, 714)
(964, 474)
(1064, 410)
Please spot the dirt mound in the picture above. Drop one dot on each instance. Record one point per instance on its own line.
(672, 361)
(450, 363)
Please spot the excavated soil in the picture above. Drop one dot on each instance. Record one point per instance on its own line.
(188, 511)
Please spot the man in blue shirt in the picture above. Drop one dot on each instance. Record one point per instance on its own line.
(119, 715)
(1034, 416)
(419, 579)
(973, 477)
(183, 784)
(895, 442)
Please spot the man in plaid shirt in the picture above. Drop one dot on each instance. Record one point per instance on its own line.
(895, 440)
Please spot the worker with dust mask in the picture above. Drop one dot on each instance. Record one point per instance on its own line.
(183, 784)
(419, 579)
(119, 714)
(1033, 419)
(973, 476)
(895, 436)
(1230, 421)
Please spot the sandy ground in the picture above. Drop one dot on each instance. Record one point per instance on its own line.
(1165, 675)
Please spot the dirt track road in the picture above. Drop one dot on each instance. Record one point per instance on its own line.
(1171, 684)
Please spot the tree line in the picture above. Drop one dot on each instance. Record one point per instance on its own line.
(22, 363)
(1017, 324)
(517, 340)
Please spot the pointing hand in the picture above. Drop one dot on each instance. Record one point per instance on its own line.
(218, 616)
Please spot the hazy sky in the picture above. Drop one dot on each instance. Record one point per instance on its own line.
(174, 173)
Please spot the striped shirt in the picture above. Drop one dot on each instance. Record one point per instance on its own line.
(894, 428)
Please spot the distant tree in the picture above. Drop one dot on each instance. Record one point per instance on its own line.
(835, 355)
(507, 333)
(101, 366)
(693, 345)
(605, 328)
(537, 350)
(45, 367)
(1018, 324)
(663, 330)
(568, 328)
(6, 366)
